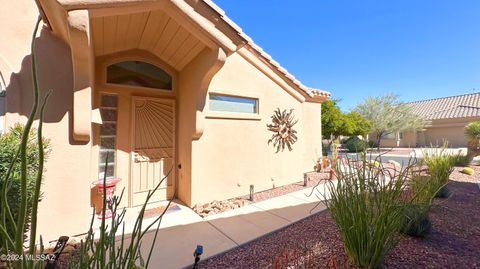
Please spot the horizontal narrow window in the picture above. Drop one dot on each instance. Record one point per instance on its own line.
(141, 74)
(227, 103)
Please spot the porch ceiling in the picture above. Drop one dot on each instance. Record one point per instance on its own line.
(153, 31)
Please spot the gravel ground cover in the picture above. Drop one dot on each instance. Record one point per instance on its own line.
(215, 207)
(313, 180)
(453, 243)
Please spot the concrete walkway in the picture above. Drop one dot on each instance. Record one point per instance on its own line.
(183, 230)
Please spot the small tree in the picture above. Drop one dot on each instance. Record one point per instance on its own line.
(336, 123)
(388, 115)
(355, 124)
(472, 130)
(331, 119)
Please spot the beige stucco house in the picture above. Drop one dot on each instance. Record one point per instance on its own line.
(176, 85)
(448, 116)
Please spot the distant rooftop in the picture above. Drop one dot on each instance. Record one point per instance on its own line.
(459, 106)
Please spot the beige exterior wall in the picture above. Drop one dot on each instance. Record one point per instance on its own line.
(233, 153)
(454, 135)
(451, 130)
(409, 139)
(389, 143)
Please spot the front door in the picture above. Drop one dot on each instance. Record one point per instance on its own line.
(153, 149)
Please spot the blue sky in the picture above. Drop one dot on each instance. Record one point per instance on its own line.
(415, 48)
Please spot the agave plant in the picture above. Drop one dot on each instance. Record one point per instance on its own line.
(282, 128)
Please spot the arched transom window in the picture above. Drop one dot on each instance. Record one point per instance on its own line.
(140, 74)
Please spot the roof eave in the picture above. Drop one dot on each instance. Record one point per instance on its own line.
(211, 12)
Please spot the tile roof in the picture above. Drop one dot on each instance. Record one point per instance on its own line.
(266, 57)
(460, 106)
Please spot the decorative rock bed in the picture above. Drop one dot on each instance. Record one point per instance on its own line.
(215, 207)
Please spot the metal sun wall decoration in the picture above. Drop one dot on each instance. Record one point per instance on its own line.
(283, 133)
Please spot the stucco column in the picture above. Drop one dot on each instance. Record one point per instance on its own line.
(194, 81)
(83, 70)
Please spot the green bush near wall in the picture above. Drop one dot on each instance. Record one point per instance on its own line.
(355, 144)
(9, 144)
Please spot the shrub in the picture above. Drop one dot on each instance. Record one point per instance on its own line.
(440, 166)
(461, 160)
(372, 144)
(345, 139)
(368, 209)
(422, 189)
(416, 221)
(355, 144)
(468, 170)
(443, 192)
(9, 144)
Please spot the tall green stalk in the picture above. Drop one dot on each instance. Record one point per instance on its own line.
(23, 154)
(13, 243)
(366, 204)
(38, 182)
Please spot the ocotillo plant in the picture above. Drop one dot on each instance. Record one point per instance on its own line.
(13, 246)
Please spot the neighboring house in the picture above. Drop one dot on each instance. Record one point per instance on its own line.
(448, 116)
(177, 87)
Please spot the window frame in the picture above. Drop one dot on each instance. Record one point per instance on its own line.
(138, 86)
(213, 114)
(104, 61)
